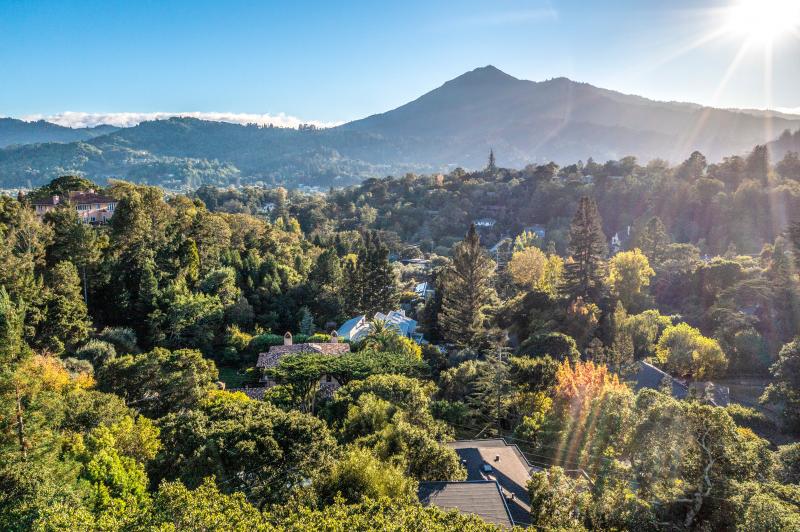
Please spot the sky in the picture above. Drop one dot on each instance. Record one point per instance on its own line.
(328, 62)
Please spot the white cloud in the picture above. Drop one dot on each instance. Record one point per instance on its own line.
(79, 119)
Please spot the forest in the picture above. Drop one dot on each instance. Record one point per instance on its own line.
(126, 349)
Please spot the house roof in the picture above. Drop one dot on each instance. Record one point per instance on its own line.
(272, 357)
(89, 197)
(253, 393)
(649, 376)
(507, 465)
(483, 498)
(347, 327)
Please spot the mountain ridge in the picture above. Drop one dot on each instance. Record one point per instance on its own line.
(455, 124)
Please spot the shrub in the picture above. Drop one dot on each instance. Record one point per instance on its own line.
(122, 338)
(98, 352)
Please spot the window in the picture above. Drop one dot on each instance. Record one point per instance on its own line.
(328, 378)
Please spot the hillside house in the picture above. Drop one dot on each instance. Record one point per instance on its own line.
(483, 498)
(92, 208)
(272, 358)
(356, 329)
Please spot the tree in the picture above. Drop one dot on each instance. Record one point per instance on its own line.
(685, 352)
(250, 446)
(160, 380)
(692, 168)
(628, 273)
(468, 292)
(785, 386)
(66, 322)
(378, 277)
(491, 167)
(527, 268)
(789, 166)
(757, 163)
(557, 501)
(587, 246)
(653, 240)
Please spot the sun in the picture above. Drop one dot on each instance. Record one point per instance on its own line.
(764, 20)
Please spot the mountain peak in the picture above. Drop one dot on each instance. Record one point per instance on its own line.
(481, 75)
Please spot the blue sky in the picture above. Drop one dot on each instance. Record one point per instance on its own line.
(336, 61)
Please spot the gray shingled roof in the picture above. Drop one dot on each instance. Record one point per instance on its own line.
(509, 468)
(483, 498)
(253, 393)
(270, 359)
(649, 376)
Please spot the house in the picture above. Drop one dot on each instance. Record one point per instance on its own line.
(649, 376)
(537, 229)
(92, 207)
(495, 460)
(354, 329)
(358, 328)
(483, 498)
(424, 290)
(256, 394)
(485, 222)
(272, 358)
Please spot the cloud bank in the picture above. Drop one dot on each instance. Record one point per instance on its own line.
(78, 119)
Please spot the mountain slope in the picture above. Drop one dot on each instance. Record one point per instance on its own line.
(18, 132)
(453, 125)
(563, 120)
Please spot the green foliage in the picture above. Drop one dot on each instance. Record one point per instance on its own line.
(785, 387)
(687, 353)
(557, 345)
(583, 275)
(468, 293)
(66, 321)
(160, 380)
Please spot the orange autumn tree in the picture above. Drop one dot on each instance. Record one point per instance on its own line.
(583, 396)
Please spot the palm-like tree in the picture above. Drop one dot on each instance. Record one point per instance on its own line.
(381, 337)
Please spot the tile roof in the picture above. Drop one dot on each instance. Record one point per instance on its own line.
(270, 359)
(507, 465)
(483, 498)
(253, 393)
(89, 197)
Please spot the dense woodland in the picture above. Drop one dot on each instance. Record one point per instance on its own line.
(119, 344)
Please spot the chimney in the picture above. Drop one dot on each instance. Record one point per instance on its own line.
(497, 458)
(287, 338)
(56, 199)
(334, 337)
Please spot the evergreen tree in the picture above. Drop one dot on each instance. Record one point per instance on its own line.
(378, 278)
(583, 276)
(306, 322)
(352, 289)
(66, 322)
(468, 291)
(757, 164)
(653, 241)
(491, 167)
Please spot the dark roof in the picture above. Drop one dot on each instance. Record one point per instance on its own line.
(49, 200)
(271, 358)
(483, 498)
(649, 376)
(253, 393)
(509, 468)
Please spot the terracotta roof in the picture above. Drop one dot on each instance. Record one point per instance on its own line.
(89, 197)
(253, 393)
(270, 359)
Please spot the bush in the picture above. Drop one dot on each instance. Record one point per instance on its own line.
(750, 418)
(319, 338)
(98, 352)
(122, 338)
(557, 345)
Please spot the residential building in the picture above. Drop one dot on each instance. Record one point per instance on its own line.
(272, 358)
(358, 328)
(648, 376)
(92, 207)
(495, 460)
(483, 498)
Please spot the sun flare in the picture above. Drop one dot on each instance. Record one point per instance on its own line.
(764, 20)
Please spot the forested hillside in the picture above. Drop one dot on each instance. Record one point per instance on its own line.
(122, 347)
(453, 125)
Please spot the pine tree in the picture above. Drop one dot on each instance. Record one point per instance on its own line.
(587, 246)
(491, 167)
(306, 321)
(468, 291)
(378, 280)
(352, 289)
(66, 322)
(653, 241)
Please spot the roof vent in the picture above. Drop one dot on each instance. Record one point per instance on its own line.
(287, 338)
(497, 458)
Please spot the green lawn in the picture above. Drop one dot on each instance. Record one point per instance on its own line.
(232, 377)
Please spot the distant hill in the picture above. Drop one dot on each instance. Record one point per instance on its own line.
(13, 131)
(561, 120)
(454, 125)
